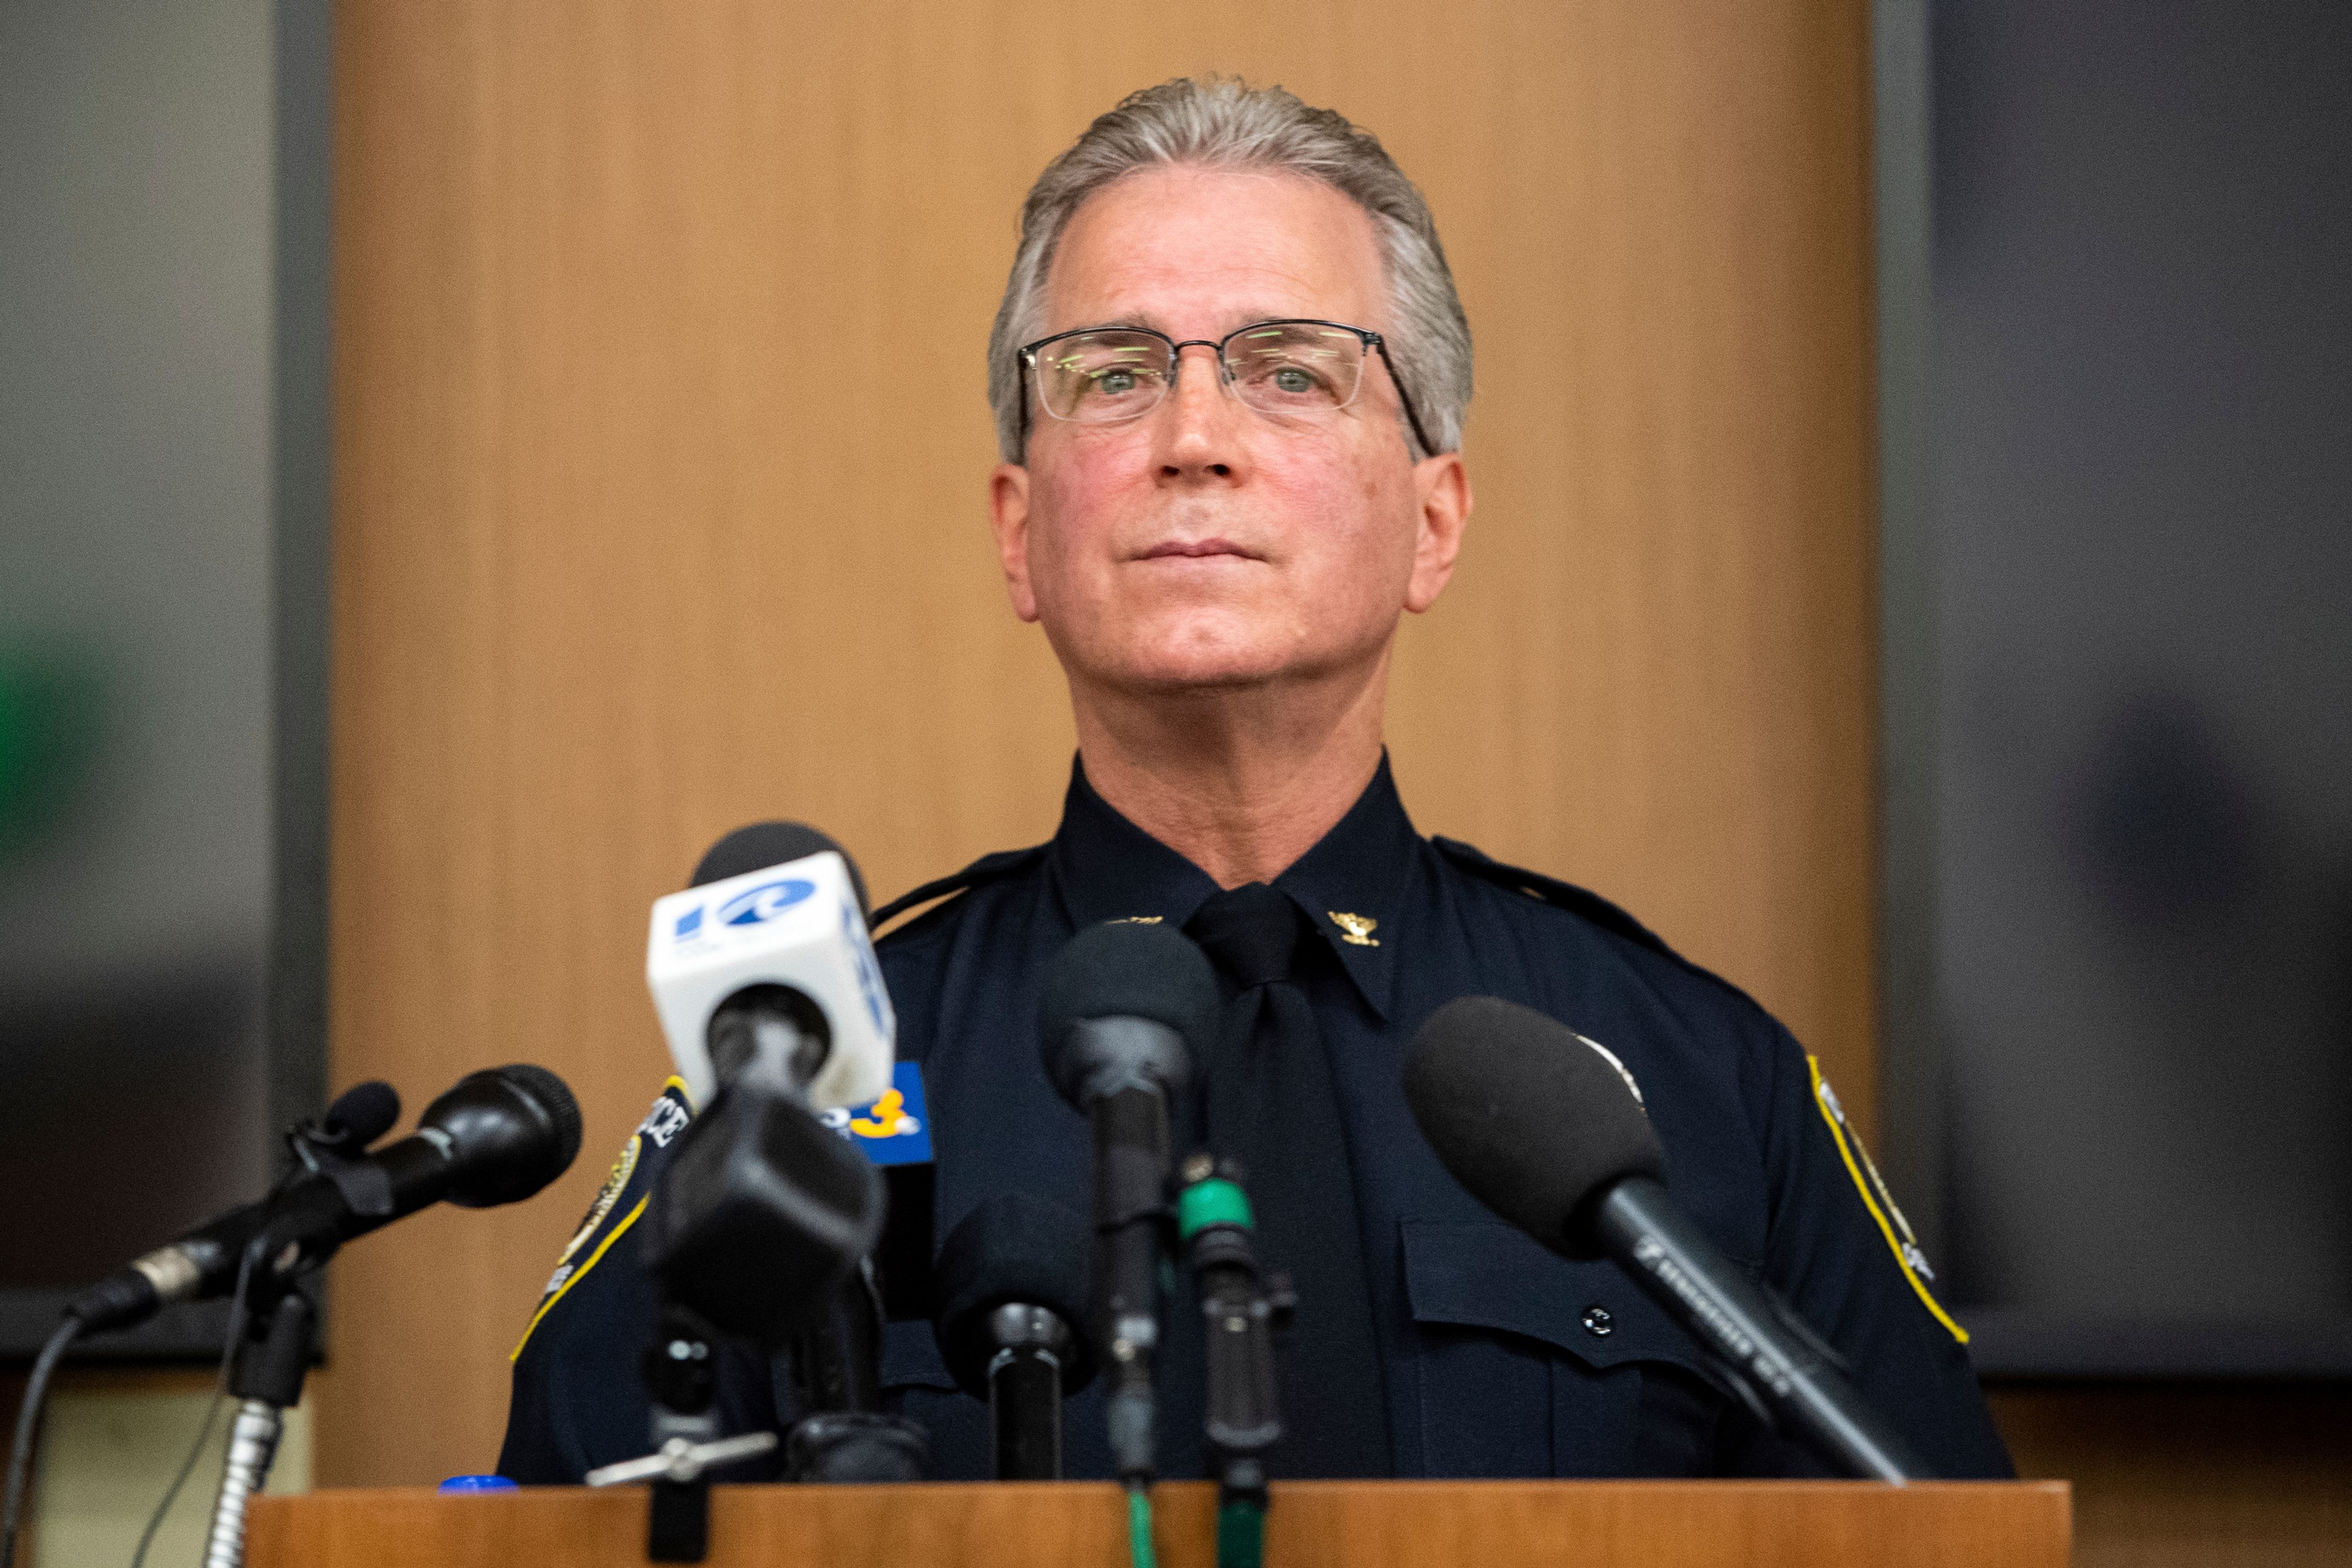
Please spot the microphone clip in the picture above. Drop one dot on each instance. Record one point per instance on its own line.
(328, 1148)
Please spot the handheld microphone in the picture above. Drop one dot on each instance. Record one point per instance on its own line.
(765, 964)
(767, 989)
(1126, 1011)
(1012, 1297)
(1544, 1129)
(497, 1136)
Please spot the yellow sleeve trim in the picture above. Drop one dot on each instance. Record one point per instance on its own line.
(1885, 1228)
(684, 1093)
(577, 1275)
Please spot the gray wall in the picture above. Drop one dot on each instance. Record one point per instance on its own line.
(163, 471)
(136, 258)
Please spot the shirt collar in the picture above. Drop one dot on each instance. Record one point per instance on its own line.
(1108, 868)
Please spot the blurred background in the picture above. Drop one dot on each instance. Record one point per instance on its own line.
(455, 445)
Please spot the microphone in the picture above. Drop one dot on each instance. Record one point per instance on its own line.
(1548, 1130)
(1012, 1288)
(497, 1136)
(1126, 1009)
(768, 990)
(767, 986)
(765, 961)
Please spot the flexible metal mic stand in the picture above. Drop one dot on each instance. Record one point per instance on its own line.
(273, 1348)
(266, 1372)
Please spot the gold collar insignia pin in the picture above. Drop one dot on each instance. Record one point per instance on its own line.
(1356, 930)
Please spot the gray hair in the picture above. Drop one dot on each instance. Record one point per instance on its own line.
(1222, 122)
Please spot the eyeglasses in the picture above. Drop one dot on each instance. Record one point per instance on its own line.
(1105, 375)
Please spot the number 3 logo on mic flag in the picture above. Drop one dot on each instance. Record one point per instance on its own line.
(896, 1129)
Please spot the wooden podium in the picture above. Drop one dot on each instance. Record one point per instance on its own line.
(1312, 1524)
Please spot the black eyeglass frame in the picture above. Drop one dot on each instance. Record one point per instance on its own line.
(1372, 341)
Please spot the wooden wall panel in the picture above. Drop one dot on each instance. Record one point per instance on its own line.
(640, 535)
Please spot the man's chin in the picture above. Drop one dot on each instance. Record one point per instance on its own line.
(1204, 654)
(1192, 665)
(1174, 672)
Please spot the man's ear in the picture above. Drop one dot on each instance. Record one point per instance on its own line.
(1443, 485)
(1008, 518)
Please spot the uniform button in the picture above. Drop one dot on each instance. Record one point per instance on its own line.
(1598, 1322)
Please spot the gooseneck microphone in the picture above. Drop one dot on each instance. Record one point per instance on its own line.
(1012, 1284)
(497, 1136)
(1126, 1010)
(1546, 1130)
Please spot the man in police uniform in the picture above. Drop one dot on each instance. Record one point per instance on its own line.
(1230, 375)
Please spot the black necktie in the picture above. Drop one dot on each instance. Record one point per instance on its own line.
(1270, 1104)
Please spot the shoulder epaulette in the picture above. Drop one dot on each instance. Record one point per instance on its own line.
(987, 868)
(1576, 900)
(1553, 891)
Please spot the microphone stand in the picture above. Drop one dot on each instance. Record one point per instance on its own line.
(760, 1203)
(266, 1372)
(274, 1330)
(1241, 1306)
(843, 1435)
(679, 1375)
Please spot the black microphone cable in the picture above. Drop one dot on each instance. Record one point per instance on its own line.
(28, 1425)
(212, 1406)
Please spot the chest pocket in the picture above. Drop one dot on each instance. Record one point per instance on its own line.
(1532, 1366)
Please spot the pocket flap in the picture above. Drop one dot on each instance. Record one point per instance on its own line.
(1494, 1275)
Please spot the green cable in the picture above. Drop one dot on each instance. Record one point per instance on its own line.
(1139, 1529)
(1240, 1535)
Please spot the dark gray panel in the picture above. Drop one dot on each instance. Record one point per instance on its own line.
(2122, 662)
(164, 313)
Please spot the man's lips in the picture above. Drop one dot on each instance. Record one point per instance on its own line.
(1197, 550)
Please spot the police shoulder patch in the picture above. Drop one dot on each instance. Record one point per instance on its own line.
(670, 1114)
(1877, 1199)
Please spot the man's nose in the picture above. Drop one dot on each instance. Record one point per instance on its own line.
(1199, 425)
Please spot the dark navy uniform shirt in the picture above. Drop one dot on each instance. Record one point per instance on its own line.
(1496, 1358)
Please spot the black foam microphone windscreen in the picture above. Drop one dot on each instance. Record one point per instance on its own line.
(1125, 969)
(511, 1130)
(1011, 1248)
(760, 844)
(1526, 1115)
